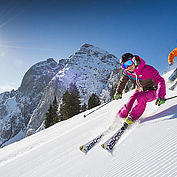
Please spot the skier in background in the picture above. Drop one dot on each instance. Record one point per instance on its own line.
(149, 86)
(171, 57)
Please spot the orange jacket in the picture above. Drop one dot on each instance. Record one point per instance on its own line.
(172, 55)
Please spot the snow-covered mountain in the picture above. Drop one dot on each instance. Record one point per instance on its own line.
(89, 68)
(22, 112)
(149, 149)
(16, 107)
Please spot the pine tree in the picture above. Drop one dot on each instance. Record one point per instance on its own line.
(83, 107)
(52, 116)
(75, 100)
(49, 117)
(93, 101)
(65, 106)
(55, 110)
(70, 103)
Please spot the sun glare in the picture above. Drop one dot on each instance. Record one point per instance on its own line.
(2, 54)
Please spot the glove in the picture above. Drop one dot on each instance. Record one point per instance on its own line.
(171, 63)
(160, 101)
(117, 96)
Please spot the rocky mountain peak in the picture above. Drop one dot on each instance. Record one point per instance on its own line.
(88, 49)
(38, 76)
(23, 111)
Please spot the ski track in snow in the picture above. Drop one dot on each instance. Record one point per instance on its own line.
(148, 149)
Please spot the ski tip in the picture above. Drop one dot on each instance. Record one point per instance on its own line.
(82, 148)
(110, 151)
(103, 146)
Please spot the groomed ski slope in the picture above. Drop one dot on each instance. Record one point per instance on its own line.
(147, 149)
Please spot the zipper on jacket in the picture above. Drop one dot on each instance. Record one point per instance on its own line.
(138, 83)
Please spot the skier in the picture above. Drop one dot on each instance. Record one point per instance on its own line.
(149, 86)
(171, 57)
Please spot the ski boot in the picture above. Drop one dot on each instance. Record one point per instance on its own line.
(127, 123)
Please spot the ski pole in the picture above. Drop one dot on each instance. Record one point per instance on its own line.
(97, 109)
(171, 97)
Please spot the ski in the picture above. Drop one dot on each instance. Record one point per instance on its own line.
(173, 86)
(89, 145)
(111, 142)
(86, 147)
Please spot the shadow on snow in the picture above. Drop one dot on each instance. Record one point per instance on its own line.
(172, 111)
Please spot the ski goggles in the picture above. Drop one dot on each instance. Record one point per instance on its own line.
(128, 63)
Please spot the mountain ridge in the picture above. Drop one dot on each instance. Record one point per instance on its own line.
(89, 67)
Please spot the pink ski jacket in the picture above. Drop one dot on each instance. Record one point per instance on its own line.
(145, 77)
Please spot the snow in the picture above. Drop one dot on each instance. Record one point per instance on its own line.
(148, 149)
(17, 137)
(61, 73)
(11, 105)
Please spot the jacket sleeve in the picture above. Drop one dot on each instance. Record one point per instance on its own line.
(172, 55)
(161, 87)
(121, 84)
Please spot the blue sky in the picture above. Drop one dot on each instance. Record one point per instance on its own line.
(32, 31)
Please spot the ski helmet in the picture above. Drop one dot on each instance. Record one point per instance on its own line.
(125, 57)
